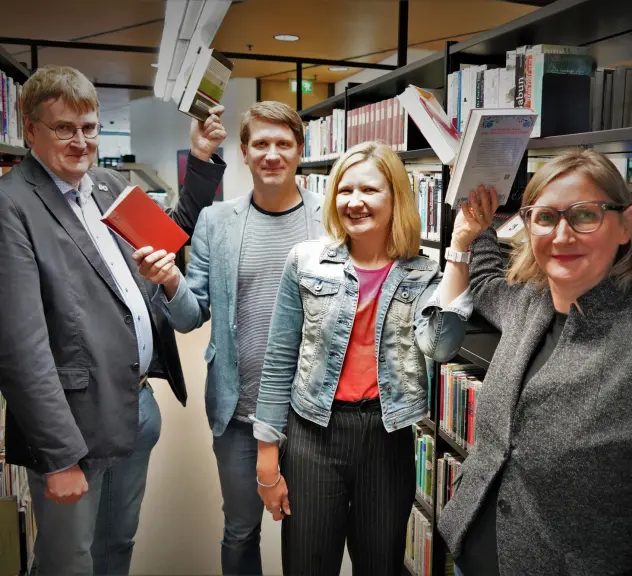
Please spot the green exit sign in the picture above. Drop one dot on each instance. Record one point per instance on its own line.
(307, 85)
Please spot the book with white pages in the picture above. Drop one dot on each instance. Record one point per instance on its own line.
(206, 84)
(492, 147)
(432, 121)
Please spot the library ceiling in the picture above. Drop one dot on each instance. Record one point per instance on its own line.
(358, 30)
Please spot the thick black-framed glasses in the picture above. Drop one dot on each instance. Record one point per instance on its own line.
(583, 217)
(68, 131)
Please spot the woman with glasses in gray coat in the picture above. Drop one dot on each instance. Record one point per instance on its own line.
(547, 488)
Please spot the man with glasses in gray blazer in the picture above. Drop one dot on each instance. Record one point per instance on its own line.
(79, 334)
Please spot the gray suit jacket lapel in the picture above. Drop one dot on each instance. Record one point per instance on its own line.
(313, 213)
(104, 196)
(58, 206)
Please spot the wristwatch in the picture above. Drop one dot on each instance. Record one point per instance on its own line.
(459, 257)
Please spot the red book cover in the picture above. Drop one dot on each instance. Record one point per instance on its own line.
(136, 218)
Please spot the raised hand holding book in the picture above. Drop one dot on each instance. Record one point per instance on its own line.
(489, 152)
(206, 83)
(138, 220)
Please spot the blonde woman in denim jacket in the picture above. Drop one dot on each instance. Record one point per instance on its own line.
(344, 375)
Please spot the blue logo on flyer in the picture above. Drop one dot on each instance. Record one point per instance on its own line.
(489, 122)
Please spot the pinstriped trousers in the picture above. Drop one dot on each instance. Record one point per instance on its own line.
(351, 481)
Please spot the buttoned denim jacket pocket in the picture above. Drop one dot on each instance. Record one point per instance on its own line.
(318, 297)
(404, 302)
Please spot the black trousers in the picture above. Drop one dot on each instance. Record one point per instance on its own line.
(351, 481)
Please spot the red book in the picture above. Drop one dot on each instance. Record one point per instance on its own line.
(136, 218)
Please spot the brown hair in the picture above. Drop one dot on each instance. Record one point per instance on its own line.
(590, 164)
(53, 82)
(405, 233)
(275, 112)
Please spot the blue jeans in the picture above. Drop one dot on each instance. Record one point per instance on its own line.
(236, 454)
(96, 534)
(457, 572)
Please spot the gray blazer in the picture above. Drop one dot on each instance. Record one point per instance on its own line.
(563, 446)
(211, 282)
(68, 352)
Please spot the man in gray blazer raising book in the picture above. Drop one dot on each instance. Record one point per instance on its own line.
(238, 253)
(79, 334)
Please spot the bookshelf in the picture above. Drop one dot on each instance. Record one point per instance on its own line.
(11, 134)
(605, 26)
(7, 149)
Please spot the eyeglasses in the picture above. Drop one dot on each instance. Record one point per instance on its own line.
(68, 131)
(583, 217)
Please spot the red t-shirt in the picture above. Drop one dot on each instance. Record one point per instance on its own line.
(358, 378)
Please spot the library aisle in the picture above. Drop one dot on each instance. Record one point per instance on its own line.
(181, 521)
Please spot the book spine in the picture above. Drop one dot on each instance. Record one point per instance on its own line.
(520, 76)
(538, 78)
(480, 89)
(459, 107)
(528, 74)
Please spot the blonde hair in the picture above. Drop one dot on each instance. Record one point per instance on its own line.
(590, 164)
(405, 234)
(53, 82)
(275, 112)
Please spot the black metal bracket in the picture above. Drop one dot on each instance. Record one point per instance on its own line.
(402, 34)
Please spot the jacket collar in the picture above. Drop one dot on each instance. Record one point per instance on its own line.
(311, 201)
(338, 252)
(605, 298)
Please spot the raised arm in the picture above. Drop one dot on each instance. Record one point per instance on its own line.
(204, 172)
(491, 293)
(200, 184)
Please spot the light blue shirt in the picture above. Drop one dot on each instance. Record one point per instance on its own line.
(86, 209)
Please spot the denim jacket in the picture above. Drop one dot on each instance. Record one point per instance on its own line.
(311, 326)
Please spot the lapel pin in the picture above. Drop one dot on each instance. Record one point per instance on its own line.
(103, 187)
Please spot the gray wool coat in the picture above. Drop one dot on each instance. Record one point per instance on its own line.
(562, 446)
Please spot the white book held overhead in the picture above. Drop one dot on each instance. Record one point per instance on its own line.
(206, 84)
(492, 147)
(432, 121)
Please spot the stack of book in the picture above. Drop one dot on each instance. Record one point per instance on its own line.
(17, 520)
(428, 188)
(11, 131)
(325, 137)
(316, 183)
(424, 449)
(385, 121)
(553, 81)
(459, 389)
(418, 555)
(612, 98)
(448, 467)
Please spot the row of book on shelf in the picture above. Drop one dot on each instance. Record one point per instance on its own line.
(418, 555)
(540, 78)
(493, 112)
(11, 130)
(427, 186)
(324, 137)
(386, 121)
(460, 386)
(522, 83)
(17, 520)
